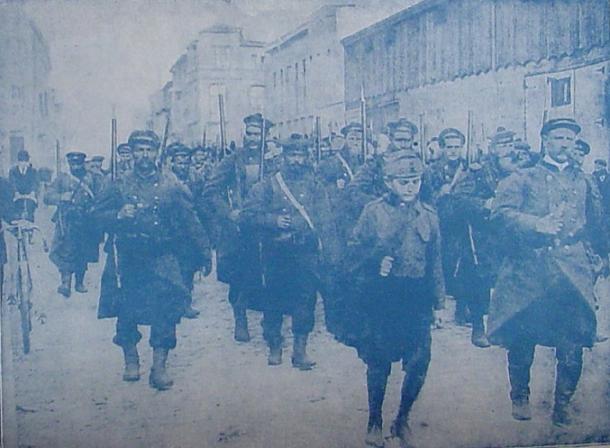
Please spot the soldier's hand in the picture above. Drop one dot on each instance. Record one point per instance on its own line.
(127, 212)
(549, 225)
(66, 197)
(234, 215)
(386, 266)
(340, 184)
(284, 221)
(207, 267)
(445, 189)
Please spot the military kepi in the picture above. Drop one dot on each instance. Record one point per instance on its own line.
(402, 124)
(296, 144)
(76, 157)
(178, 149)
(257, 120)
(560, 123)
(351, 127)
(405, 167)
(144, 138)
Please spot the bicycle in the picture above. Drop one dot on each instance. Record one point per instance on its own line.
(22, 230)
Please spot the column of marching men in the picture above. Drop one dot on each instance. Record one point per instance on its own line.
(514, 234)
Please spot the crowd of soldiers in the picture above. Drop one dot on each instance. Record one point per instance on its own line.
(383, 239)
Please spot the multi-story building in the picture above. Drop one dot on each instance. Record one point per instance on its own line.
(29, 108)
(220, 62)
(510, 62)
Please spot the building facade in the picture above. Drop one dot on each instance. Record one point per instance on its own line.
(509, 62)
(30, 113)
(220, 62)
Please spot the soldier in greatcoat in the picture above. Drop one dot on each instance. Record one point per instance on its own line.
(395, 264)
(75, 240)
(155, 224)
(291, 211)
(544, 292)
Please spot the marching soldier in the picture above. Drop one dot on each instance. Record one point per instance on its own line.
(74, 242)
(24, 180)
(180, 157)
(124, 160)
(544, 292)
(155, 224)
(600, 174)
(368, 182)
(237, 258)
(395, 262)
(292, 212)
(202, 162)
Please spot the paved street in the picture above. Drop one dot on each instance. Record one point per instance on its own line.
(69, 392)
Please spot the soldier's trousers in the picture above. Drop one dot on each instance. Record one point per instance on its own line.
(301, 307)
(569, 368)
(162, 333)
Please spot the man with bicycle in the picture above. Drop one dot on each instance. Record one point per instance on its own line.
(6, 214)
(24, 180)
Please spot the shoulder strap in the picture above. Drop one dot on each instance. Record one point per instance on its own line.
(350, 173)
(293, 201)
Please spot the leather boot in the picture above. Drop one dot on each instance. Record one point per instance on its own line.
(521, 409)
(79, 282)
(65, 288)
(241, 325)
(159, 379)
(275, 353)
(132, 363)
(374, 436)
(400, 429)
(300, 360)
(191, 313)
(478, 338)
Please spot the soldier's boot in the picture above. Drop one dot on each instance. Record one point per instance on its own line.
(132, 363)
(461, 312)
(241, 333)
(159, 379)
(376, 382)
(275, 353)
(190, 312)
(79, 282)
(65, 288)
(569, 370)
(521, 409)
(478, 337)
(300, 359)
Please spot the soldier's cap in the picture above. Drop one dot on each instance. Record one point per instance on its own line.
(76, 157)
(404, 167)
(601, 162)
(582, 146)
(257, 120)
(402, 124)
(178, 149)
(351, 127)
(450, 133)
(123, 148)
(23, 156)
(144, 138)
(296, 144)
(560, 123)
(520, 145)
(502, 135)
(97, 158)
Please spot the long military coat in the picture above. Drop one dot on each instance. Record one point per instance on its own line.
(544, 290)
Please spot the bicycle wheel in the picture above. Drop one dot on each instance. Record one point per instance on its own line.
(24, 311)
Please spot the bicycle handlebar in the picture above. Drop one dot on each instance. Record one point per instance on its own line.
(22, 224)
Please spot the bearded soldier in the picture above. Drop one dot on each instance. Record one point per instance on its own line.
(75, 240)
(544, 292)
(155, 224)
(291, 210)
(237, 258)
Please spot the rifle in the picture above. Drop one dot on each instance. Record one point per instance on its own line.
(164, 140)
(363, 122)
(221, 116)
(422, 139)
(57, 158)
(113, 177)
(261, 160)
(317, 141)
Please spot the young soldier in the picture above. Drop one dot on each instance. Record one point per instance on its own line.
(292, 212)
(155, 224)
(395, 260)
(124, 160)
(544, 292)
(74, 239)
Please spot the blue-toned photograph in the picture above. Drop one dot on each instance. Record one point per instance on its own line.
(304, 224)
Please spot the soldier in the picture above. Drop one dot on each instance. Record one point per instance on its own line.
(237, 258)
(155, 224)
(74, 241)
(368, 182)
(292, 212)
(96, 165)
(124, 160)
(24, 180)
(600, 174)
(394, 259)
(338, 171)
(544, 292)
(180, 158)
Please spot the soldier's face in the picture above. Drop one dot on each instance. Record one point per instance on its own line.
(353, 141)
(144, 157)
(453, 148)
(125, 157)
(559, 143)
(295, 159)
(181, 165)
(252, 137)
(23, 164)
(577, 157)
(402, 139)
(199, 159)
(406, 188)
(96, 166)
(599, 167)
(77, 167)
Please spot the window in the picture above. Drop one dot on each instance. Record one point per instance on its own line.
(561, 92)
